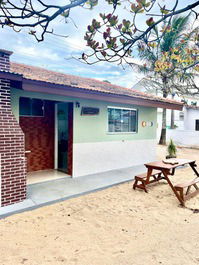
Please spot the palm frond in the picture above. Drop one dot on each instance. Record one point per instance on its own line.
(173, 37)
(148, 55)
(141, 68)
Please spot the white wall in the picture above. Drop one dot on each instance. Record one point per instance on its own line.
(191, 115)
(184, 137)
(179, 123)
(90, 158)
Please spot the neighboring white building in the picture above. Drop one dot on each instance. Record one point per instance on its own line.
(186, 122)
(191, 118)
(182, 119)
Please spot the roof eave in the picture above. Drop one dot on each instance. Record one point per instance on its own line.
(70, 91)
(49, 88)
(11, 76)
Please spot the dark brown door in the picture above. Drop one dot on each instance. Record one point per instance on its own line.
(39, 139)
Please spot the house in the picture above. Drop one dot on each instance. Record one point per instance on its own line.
(185, 120)
(80, 126)
(191, 115)
(187, 134)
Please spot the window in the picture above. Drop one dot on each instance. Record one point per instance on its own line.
(37, 107)
(31, 107)
(197, 125)
(181, 116)
(122, 120)
(25, 106)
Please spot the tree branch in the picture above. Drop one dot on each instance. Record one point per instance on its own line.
(34, 16)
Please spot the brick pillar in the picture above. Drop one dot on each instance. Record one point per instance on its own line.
(12, 147)
(5, 60)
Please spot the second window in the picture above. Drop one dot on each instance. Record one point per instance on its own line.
(122, 120)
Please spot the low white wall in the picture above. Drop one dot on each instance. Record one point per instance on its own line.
(90, 158)
(184, 137)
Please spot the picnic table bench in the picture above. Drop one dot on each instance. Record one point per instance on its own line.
(160, 170)
(156, 175)
(180, 188)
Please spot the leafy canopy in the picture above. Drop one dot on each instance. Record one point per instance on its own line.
(112, 38)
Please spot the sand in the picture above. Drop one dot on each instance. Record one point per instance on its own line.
(116, 226)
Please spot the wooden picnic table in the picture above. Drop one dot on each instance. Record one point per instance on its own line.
(169, 170)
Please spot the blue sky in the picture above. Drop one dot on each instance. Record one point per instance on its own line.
(55, 53)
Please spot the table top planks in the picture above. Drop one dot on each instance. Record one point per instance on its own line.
(161, 165)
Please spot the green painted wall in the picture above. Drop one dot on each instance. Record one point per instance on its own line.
(94, 128)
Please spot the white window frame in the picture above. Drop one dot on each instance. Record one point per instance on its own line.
(122, 108)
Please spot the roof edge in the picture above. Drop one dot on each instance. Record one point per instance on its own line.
(134, 92)
(11, 76)
(70, 91)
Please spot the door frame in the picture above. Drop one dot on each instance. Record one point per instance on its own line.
(70, 137)
(56, 139)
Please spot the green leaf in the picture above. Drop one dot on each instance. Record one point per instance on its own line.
(150, 21)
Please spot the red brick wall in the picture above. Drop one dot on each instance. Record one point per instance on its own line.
(12, 158)
(39, 139)
(5, 60)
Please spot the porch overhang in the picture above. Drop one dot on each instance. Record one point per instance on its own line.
(11, 76)
(56, 89)
(83, 93)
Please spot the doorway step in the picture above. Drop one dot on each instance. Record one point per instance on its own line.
(44, 175)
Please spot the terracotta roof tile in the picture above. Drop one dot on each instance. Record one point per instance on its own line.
(41, 74)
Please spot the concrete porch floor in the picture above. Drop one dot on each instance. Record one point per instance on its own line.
(48, 192)
(45, 175)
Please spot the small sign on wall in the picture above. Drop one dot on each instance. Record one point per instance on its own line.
(89, 111)
(147, 124)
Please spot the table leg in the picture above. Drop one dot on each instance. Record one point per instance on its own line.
(166, 173)
(149, 172)
(193, 166)
(172, 173)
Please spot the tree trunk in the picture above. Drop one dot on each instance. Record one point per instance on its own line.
(172, 119)
(172, 115)
(163, 132)
(164, 114)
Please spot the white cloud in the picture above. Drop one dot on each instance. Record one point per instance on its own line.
(75, 44)
(41, 53)
(135, 60)
(128, 79)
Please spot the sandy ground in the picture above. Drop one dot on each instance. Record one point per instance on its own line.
(116, 226)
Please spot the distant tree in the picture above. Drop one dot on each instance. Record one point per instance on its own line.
(161, 64)
(169, 51)
(113, 38)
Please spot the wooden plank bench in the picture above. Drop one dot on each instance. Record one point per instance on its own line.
(184, 189)
(156, 175)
